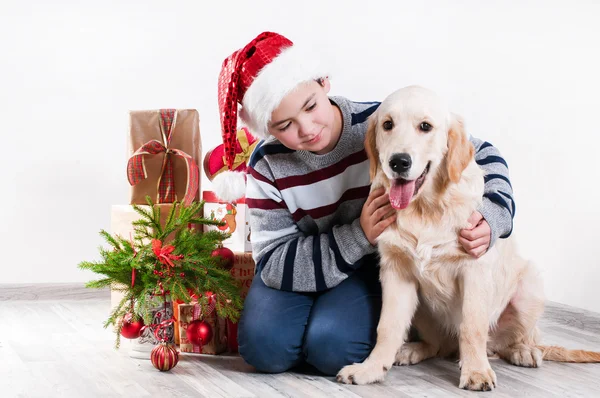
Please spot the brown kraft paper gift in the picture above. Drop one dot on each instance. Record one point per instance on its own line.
(175, 132)
(218, 343)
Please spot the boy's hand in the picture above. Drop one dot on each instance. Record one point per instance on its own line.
(377, 214)
(476, 239)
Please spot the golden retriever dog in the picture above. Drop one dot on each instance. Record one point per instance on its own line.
(420, 153)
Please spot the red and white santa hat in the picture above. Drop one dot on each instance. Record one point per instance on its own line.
(258, 77)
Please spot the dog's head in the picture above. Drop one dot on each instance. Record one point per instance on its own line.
(417, 144)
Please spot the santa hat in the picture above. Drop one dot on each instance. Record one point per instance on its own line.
(258, 77)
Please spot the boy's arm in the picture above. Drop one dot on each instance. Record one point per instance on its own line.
(498, 207)
(289, 260)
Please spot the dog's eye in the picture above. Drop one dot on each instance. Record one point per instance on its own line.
(388, 125)
(425, 127)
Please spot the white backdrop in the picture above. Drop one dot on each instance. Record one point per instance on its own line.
(523, 74)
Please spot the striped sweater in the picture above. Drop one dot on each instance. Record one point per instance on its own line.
(304, 208)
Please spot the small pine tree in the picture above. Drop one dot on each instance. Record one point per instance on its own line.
(146, 265)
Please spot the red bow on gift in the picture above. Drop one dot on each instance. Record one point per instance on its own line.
(199, 312)
(164, 253)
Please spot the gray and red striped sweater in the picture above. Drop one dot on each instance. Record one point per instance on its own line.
(304, 208)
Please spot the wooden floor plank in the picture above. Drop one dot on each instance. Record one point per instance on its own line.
(57, 347)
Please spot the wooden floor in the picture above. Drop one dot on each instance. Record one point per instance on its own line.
(52, 344)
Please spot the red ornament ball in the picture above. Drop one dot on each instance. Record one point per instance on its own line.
(199, 332)
(164, 356)
(226, 255)
(131, 329)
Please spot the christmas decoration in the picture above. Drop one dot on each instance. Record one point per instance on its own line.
(215, 161)
(234, 219)
(164, 356)
(225, 255)
(165, 150)
(228, 219)
(199, 332)
(244, 272)
(162, 329)
(160, 310)
(230, 185)
(144, 266)
(131, 329)
(209, 338)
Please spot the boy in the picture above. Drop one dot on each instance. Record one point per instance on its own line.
(316, 297)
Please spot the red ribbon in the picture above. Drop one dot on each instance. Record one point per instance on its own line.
(159, 328)
(199, 313)
(134, 254)
(163, 292)
(132, 277)
(164, 253)
(136, 168)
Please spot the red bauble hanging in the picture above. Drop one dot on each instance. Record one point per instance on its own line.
(199, 332)
(131, 329)
(164, 356)
(226, 255)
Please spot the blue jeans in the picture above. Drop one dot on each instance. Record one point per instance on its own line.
(279, 330)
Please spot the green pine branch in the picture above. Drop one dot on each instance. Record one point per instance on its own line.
(194, 269)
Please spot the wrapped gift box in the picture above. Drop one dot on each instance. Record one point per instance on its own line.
(194, 311)
(243, 271)
(165, 150)
(160, 311)
(234, 217)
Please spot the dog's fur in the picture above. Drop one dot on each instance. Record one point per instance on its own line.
(461, 304)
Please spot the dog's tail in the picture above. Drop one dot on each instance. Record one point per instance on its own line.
(561, 354)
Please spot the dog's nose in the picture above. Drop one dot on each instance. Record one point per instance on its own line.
(400, 162)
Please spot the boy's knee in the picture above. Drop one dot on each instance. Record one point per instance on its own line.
(329, 349)
(265, 347)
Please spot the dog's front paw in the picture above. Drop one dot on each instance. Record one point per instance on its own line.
(478, 379)
(413, 353)
(361, 373)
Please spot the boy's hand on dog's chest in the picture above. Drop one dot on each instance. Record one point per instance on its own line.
(476, 239)
(377, 214)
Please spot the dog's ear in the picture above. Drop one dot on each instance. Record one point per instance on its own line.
(460, 149)
(371, 147)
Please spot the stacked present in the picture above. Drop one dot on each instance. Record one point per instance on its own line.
(201, 331)
(224, 336)
(232, 213)
(165, 150)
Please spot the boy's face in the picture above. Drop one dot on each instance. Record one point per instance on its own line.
(304, 119)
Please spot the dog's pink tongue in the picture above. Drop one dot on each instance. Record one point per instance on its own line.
(401, 194)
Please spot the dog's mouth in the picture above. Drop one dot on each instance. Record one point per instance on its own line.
(402, 191)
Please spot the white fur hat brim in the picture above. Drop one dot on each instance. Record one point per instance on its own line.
(276, 80)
